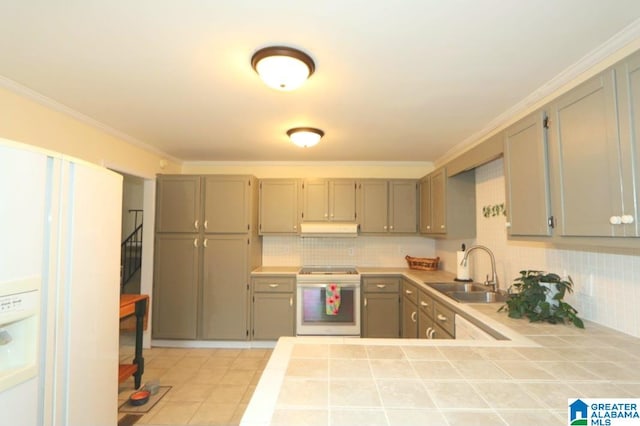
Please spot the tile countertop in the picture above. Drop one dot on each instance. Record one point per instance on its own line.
(525, 381)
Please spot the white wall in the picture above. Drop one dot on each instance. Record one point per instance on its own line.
(360, 251)
(607, 284)
(132, 199)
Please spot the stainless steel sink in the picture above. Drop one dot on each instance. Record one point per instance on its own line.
(469, 292)
(457, 287)
(478, 296)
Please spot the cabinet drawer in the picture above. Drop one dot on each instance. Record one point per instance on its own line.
(380, 285)
(444, 317)
(410, 291)
(440, 333)
(426, 303)
(274, 284)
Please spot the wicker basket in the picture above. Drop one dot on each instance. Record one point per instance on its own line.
(423, 263)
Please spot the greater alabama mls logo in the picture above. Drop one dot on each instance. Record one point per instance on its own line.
(604, 411)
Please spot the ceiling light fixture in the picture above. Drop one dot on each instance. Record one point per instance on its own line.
(305, 136)
(282, 68)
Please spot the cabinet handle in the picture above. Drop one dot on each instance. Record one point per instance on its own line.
(427, 333)
(384, 227)
(391, 228)
(326, 215)
(442, 318)
(195, 224)
(295, 227)
(441, 226)
(381, 285)
(433, 334)
(408, 292)
(291, 301)
(206, 224)
(365, 302)
(627, 219)
(274, 285)
(423, 303)
(428, 226)
(615, 220)
(414, 316)
(195, 242)
(204, 243)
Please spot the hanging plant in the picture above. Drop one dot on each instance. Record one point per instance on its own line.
(538, 296)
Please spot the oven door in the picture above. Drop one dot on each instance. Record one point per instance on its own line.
(312, 317)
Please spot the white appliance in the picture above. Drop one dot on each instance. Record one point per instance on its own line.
(312, 318)
(59, 286)
(328, 229)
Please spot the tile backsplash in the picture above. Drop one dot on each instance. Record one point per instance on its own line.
(360, 251)
(606, 284)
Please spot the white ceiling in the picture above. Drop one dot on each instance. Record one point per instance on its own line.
(395, 81)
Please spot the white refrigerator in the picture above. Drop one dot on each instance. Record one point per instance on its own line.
(59, 289)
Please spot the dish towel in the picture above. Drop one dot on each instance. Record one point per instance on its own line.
(332, 299)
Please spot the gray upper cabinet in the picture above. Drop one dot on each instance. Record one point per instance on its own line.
(527, 177)
(448, 207)
(329, 200)
(226, 204)
(178, 204)
(279, 206)
(387, 206)
(594, 194)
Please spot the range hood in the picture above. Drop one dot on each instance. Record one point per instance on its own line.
(328, 229)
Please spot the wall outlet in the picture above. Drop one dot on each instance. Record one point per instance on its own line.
(350, 251)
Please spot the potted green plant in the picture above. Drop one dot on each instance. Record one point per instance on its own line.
(538, 295)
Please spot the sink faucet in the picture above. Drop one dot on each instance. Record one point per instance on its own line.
(494, 276)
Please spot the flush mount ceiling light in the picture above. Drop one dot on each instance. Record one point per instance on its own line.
(282, 68)
(305, 136)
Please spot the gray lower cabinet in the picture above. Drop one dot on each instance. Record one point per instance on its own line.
(527, 177)
(381, 307)
(175, 292)
(273, 307)
(409, 308)
(225, 292)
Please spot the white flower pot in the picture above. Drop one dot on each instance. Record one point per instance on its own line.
(550, 293)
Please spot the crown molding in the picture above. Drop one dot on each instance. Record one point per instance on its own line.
(614, 49)
(43, 100)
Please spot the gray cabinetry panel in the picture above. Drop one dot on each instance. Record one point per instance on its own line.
(273, 316)
(527, 177)
(224, 287)
(403, 208)
(279, 206)
(329, 200)
(381, 307)
(226, 204)
(178, 204)
(175, 289)
(372, 206)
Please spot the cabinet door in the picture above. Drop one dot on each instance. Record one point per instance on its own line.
(175, 286)
(381, 315)
(425, 205)
(178, 204)
(226, 204)
(409, 319)
(273, 316)
(373, 203)
(527, 177)
(279, 206)
(315, 200)
(403, 208)
(342, 200)
(425, 326)
(224, 287)
(438, 202)
(628, 80)
(584, 139)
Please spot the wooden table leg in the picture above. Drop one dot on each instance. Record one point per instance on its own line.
(141, 308)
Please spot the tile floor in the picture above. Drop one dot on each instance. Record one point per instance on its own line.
(209, 386)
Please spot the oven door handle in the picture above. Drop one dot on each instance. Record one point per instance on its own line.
(341, 285)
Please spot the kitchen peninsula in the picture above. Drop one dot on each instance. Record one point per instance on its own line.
(524, 380)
